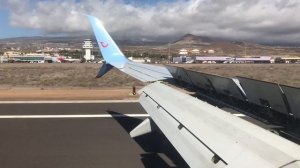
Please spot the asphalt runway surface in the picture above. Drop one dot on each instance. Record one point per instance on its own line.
(79, 135)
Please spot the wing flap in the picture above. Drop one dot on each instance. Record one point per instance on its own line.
(213, 132)
(194, 153)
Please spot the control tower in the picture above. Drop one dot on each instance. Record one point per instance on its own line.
(88, 46)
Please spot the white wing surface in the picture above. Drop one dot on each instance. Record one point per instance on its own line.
(206, 136)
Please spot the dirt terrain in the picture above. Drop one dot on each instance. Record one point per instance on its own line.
(78, 82)
(63, 82)
(61, 75)
(66, 94)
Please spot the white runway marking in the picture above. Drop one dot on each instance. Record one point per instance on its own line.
(72, 116)
(240, 115)
(68, 101)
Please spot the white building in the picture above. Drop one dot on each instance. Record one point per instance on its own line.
(182, 59)
(183, 52)
(211, 51)
(88, 46)
(11, 53)
(36, 54)
(139, 60)
(195, 52)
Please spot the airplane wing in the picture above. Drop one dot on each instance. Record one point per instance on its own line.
(114, 57)
(206, 136)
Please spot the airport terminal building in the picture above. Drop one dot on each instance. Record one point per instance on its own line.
(28, 58)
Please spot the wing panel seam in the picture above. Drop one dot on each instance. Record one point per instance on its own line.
(183, 126)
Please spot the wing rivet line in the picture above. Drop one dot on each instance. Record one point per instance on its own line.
(180, 126)
(216, 158)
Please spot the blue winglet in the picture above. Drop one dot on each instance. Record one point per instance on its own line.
(108, 48)
(114, 57)
(105, 68)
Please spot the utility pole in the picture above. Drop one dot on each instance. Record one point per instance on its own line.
(245, 52)
(169, 54)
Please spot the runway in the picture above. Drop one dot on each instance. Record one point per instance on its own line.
(79, 134)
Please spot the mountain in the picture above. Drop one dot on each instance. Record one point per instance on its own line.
(190, 39)
(229, 47)
(47, 39)
(74, 40)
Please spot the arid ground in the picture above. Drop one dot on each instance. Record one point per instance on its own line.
(77, 81)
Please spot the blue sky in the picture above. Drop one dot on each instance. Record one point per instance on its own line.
(275, 21)
(7, 31)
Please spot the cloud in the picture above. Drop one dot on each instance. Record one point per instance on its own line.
(254, 20)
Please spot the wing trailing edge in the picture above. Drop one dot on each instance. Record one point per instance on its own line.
(206, 136)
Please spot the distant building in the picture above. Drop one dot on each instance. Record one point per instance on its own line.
(36, 55)
(291, 59)
(210, 51)
(183, 52)
(226, 59)
(88, 46)
(28, 59)
(140, 60)
(11, 53)
(260, 59)
(195, 52)
(3, 59)
(182, 59)
(213, 59)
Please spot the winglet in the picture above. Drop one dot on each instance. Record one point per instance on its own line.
(104, 69)
(114, 57)
(108, 48)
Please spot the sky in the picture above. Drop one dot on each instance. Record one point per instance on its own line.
(265, 21)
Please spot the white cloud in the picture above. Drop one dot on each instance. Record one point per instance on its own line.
(260, 20)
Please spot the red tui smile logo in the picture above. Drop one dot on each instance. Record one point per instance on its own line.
(104, 45)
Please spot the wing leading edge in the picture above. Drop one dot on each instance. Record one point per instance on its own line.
(114, 57)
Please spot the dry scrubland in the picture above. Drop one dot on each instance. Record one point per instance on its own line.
(83, 75)
(287, 74)
(61, 75)
(62, 82)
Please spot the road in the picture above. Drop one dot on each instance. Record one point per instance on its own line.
(79, 135)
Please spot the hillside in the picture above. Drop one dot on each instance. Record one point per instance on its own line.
(150, 48)
(227, 47)
(190, 39)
